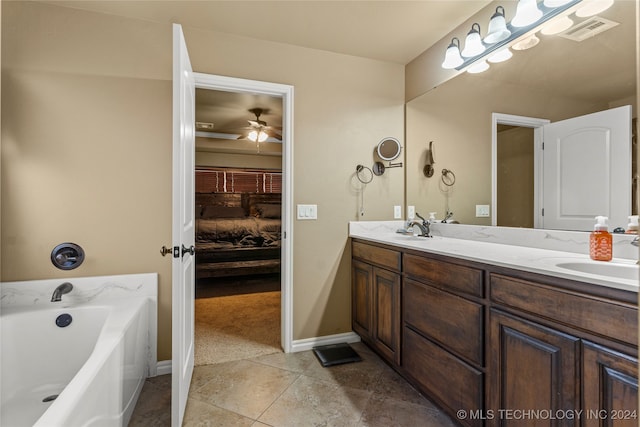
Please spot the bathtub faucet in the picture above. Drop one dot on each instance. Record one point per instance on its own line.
(65, 288)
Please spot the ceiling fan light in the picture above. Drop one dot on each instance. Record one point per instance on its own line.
(593, 7)
(555, 3)
(262, 136)
(473, 43)
(497, 30)
(478, 67)
(253, 135)
(527, 43)
(556, 26)
(452, 58)
(527, 13)
(500, 56)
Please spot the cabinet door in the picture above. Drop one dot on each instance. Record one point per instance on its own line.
(362, 299)
(610, 388)
(532, 369)
(386, 313)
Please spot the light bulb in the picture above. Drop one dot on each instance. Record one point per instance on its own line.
(527, 43)
(473, 43)
(527, 13)
(500, 56)
(497, 31)
(452, 58)
(556, 26)
(478, 67)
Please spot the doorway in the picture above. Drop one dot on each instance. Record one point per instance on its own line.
(285, 94)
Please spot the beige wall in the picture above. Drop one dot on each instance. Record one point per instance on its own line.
(87, 147)
(515, 177)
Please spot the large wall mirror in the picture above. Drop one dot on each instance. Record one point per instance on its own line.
(556, 80)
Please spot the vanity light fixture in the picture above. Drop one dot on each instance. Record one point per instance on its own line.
(530, 16)
(452, 58)
(497, 31)
(473, 43)
(527, 13)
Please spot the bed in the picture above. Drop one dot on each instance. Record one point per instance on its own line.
(237, 234)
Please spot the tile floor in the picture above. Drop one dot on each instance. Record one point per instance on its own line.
(292, 390)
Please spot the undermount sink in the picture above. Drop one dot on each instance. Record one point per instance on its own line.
(621, 271)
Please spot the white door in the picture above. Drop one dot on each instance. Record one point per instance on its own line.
(587, 170)
(183, 227)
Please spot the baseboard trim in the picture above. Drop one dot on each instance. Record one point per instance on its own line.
(309, 343)
(163, 367)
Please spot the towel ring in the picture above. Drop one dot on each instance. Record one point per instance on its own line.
(448, 177)
(367, 175)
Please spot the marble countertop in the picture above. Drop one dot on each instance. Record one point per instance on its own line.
(531, 259)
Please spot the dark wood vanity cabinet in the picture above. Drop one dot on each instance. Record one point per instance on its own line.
(610, 386)
(443, 332)
(532, 368)
(375, 301)
(510, 347)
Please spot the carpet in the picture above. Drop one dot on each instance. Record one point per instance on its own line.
(236, 327)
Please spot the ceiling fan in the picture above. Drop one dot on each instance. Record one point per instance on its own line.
(258, 130)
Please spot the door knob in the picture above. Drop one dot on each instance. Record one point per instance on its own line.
(165, 251)
(190, 250)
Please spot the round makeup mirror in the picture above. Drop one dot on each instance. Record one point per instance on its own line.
(389, 149)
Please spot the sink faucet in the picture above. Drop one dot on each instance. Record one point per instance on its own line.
(423, 225)
(635, 241)
(65, 288)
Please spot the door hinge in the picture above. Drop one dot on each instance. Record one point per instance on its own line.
(542, 211)
(543, 145)
(176, 252)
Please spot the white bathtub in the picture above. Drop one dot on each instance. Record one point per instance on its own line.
(96, 365)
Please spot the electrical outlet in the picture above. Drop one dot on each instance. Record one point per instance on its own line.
(482, 211)
(397, 212)
(411, 212)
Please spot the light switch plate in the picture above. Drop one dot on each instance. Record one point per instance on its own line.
(307, 212)
(482, 211)
(411, 212)
(397, 212)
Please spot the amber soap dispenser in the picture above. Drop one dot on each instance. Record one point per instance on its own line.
(600, 241)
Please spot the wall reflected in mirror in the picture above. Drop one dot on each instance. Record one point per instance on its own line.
(556, 80)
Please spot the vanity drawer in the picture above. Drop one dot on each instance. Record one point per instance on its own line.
(376, 255)
(452, 321)
(444, 275)
(610, 319)
(443, 376)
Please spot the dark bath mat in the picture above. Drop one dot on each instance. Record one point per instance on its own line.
(336, 354)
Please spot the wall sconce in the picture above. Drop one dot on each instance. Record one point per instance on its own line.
(494, 47)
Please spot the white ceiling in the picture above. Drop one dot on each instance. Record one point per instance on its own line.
(395, 31)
